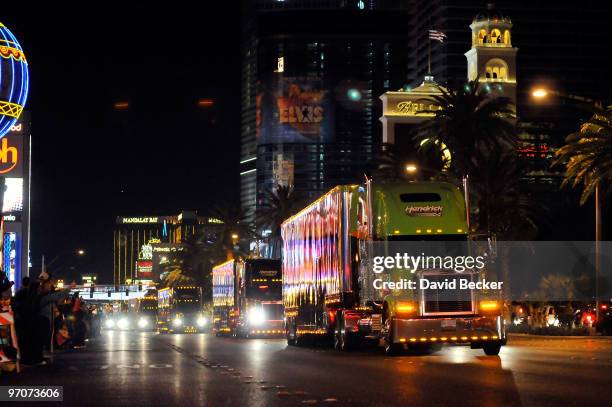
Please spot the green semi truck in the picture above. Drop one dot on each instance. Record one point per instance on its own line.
(330, 288)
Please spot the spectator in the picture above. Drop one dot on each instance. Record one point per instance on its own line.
(24, 313)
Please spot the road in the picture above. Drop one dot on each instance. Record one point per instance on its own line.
(144, 369)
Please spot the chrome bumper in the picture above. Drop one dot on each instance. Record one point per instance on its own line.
(473, 329)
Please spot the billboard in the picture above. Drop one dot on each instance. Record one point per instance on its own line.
(144, 268)
(294, 110)
(13, 195)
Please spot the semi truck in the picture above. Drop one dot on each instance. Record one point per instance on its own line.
(247, 298)
(179, 310)
(329, 289)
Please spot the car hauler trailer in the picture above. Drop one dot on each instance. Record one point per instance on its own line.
(247, 298)
(328, 278)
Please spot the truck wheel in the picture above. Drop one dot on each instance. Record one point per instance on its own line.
(343, 340)
(492, 349)
(391, 348)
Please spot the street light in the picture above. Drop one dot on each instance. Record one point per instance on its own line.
(539, 93)
(411, 168)
(593, 106)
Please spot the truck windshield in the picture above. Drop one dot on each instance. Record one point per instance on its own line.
(263, 280)
(187, 300)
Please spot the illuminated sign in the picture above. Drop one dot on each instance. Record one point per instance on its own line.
(145, 268)
(154, 241)
(146, 252)
(427, 210)
(140, 220)
(13, 195)
(214, 220)
(9, 156)
(280, 64)
(410, 108)
(15, 78)
(268, 273)
(16, 128)
(9, 218)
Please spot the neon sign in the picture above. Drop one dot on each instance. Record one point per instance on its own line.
(15, 78)
(8, 157)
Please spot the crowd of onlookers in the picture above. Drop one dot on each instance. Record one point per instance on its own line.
(44, 319)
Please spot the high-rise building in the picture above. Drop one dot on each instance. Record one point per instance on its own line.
(137, 238)
(312, 74)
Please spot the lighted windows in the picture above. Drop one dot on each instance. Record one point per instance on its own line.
(496, 69)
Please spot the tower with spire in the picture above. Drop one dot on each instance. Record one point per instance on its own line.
(492, 58)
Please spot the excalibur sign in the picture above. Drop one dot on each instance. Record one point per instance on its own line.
(13, 80)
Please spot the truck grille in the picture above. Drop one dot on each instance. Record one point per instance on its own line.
(447, 301)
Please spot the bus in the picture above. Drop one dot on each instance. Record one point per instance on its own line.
(179, 310)
(247, 298)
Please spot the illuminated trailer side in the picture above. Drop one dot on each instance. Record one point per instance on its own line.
(224, 298)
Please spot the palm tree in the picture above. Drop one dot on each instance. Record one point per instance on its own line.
(234, 228)
(587, 155)
(468, 121)
(278, 205)
(478, 130)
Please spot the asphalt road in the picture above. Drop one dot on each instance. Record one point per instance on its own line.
(144, 369)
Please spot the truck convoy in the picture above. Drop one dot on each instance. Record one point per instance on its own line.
(328, 278)
(179, 309)
(247, 298)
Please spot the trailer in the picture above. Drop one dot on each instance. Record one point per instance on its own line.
(247, 298)
(328, 279)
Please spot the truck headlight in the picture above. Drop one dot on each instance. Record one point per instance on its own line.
(177, 322)
(142, 322)
(256, 316)
(122, 323)
(201, 321)
(109, 323)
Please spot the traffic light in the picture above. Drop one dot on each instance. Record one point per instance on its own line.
(91, 291)
(127, 292)
(139, 286)
(109, 293)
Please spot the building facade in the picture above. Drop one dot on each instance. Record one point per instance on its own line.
(139, 241)
(312, 73)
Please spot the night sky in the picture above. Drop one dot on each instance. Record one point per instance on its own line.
(92, 162)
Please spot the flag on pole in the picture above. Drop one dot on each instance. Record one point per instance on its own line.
(437, 35)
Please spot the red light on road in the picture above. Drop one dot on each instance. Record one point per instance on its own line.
(263, 287)
(206, 102)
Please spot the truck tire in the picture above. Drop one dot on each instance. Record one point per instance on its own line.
(391, 348)
(343, 340)
(492, 349)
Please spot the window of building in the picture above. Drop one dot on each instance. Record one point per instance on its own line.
(496, 69)
(496, 37)
(507, 37)
(482, 36)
